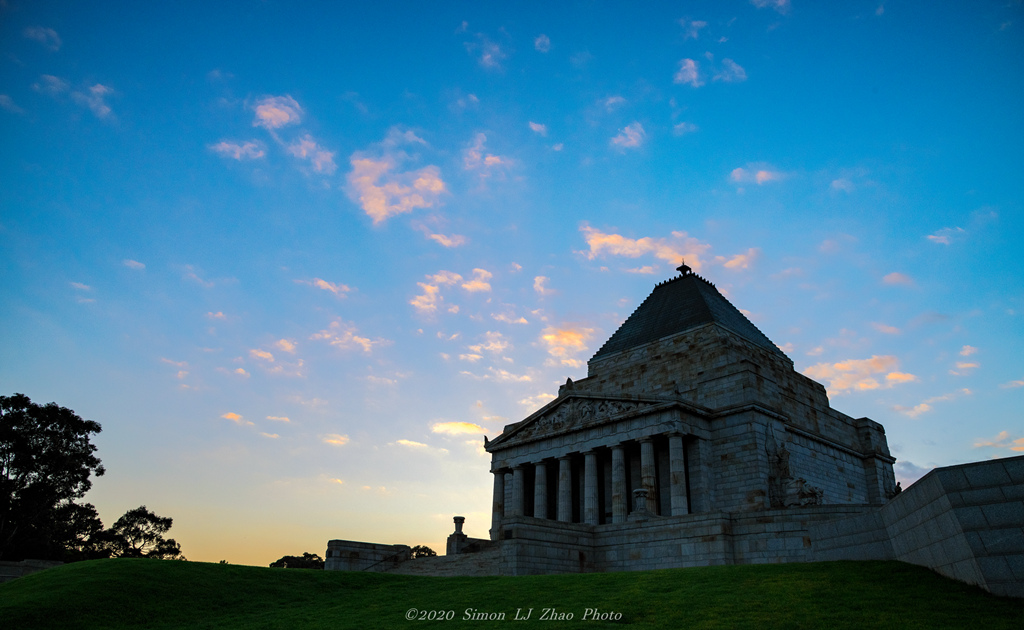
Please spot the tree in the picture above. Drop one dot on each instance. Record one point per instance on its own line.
(140, 534)
(306, 561)
(422, 551)
(46, 460)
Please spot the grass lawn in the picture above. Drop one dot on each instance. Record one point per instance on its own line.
(168, 594)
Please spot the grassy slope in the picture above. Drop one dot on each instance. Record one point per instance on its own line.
(164, 594)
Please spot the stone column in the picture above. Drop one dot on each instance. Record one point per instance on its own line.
(565, 489)
(677, 474)
(699, 453)
(515, 507)
(498, 507)
(590, 509)
(540, 490)
(648, 478)
(620, 507)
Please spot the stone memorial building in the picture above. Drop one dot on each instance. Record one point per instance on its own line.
(693, 441)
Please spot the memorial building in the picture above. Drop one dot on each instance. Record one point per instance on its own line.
(693, 441)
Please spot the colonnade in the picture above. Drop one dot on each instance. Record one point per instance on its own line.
(580, 485)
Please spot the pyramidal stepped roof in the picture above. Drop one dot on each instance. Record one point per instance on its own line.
(677, 305)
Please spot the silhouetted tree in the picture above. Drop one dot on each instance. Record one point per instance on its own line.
(305, 561)
(140, 534)
(46, 460)
(422, 551)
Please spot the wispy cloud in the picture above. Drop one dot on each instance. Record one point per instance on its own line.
(859, 374)
(192, 275)
(274, 112)
(94, 98)
(927, 405)
(688, 73)
(476, 158)
(237, 419)
(457, 428)
(340, 290)
(263, 355)
(630, 137)
(691, 28)
(1013, 384)
(279, 418)
(752, 174)
(335, 439)
(1001, 440)
(780, 6)
(946, 236)
(494, 342)
(730, 72)
(740, 261)
(428, 301)
(539, 128)
(565, 341)
(133, 264)
(448, 241)
(542, 43)
(671, 250)
(843, 184)
(250, 150)
(897, 278)
(345, 335)
(683, 128)
(7, 103)
(382, 191)
(540, 285)
(479, 281)
(45, 36)
(50, 85)
(285, 345)
(885, 328)
(967, 351)
(80, 286)
(488, 54)
(305, 148)
(611, 103)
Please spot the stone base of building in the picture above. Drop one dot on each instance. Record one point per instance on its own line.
(965, 522)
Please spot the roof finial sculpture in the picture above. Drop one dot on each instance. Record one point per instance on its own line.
(683, 269)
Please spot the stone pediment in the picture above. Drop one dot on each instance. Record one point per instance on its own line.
(573, 412)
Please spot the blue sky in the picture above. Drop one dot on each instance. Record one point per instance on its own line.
(297, 258)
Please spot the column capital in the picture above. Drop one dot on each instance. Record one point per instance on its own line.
(648, 438)
(566, 456)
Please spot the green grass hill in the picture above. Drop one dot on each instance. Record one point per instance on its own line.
(169, 594)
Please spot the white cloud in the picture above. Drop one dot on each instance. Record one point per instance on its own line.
(488, 54)
(884, 328)
(45, 36)
(859, 374)
(613, 102)
(258, 353)
(1002, 440)
(80, 286)
(967, 351)
(50, 85)
(564, 341)
(542, 43)
(345, 335)
(780, 6)
(339, 290)
(842, 184)
(383, 193)
(539, 128)
(945, 236)
(730, 72)
(494, 342)
(457, 428)
(646, 269)
(540, 286)
(448, 241)
(896, 278)
(133, 264)
(630, 137)
(274, 112)
(193, 275)
(94, 99)
(279, 418)
(479, 281)
(251, 150)
(6, 102)
(285, 345)
(335, 439)
(755, 174)
(926, 406)
(509, 318)
(306, 148)
(236, 418)
(684, 128)
(691, 28)
(475, 158)
(688, 73)
(743, 261)
(671, 250)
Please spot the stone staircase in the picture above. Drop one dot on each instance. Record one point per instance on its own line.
(487, 562)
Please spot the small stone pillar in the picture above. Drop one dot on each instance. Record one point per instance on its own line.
(457, 540)
(516, 507)
(647, 473)
(640, 502)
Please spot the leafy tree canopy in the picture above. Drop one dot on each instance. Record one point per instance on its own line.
(305, 561)
(140, 534)
(46, 460)
(422, 551)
